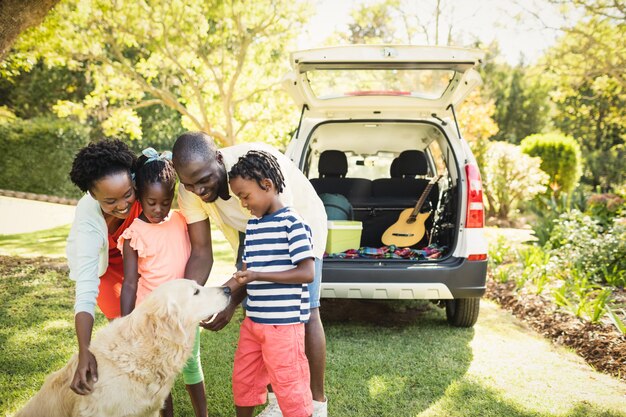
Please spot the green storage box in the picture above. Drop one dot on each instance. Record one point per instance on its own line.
(343, 235)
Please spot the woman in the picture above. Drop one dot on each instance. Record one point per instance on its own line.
(103, 171)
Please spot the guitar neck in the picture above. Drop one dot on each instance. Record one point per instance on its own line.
(422, 198)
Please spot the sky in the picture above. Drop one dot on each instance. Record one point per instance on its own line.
(517, 31)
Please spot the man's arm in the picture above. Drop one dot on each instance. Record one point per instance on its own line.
(201, 259)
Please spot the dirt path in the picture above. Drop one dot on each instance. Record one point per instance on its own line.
(23, 216)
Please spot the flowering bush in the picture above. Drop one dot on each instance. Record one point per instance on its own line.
(510, 177)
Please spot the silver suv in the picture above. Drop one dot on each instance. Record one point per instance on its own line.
(378, 126)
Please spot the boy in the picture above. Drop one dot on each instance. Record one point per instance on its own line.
(278, 264)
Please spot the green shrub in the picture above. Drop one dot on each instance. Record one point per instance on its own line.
(560, 158)
(579, 243)
(605, 208)
(547, 209)
(37, 155)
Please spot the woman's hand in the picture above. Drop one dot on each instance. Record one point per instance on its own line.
(86, 373)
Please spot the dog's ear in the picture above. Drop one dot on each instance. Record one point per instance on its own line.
(161, 317)
(170, 322)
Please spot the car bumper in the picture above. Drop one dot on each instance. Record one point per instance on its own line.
(453, 278)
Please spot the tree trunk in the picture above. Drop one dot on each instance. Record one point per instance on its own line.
(18, 15)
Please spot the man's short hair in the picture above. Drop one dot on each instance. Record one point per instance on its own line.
(191, 146)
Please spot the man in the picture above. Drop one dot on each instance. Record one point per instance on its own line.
(204, 196)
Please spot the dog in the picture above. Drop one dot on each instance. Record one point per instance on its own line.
(139, 356)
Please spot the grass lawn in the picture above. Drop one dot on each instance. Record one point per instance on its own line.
(384, 358)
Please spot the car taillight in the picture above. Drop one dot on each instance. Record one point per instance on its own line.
(475, 209)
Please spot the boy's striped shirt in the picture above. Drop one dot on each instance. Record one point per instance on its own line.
(277, 242)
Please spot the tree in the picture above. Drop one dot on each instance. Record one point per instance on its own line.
(17, 16)
(216, 63)
(520, 97)
(371, 24)
(423, 23)
(374, 24)
(590, 96)
(592, 32)
(476, 123)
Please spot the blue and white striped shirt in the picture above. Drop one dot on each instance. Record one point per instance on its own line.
(277, 242)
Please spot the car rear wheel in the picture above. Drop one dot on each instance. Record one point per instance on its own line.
(462, 312)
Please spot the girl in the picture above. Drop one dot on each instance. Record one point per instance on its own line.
(278, 263)
(156, 248)
(102, 170)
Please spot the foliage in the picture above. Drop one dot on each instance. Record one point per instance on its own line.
(371, 24)
(579, 243)
(616, 320)
(476, 122)
(520, 98)
(560, 159)
(535, 267)
(586, 68)
(605, 208)
(34, 91)
(582, 298)
(509, 178)
(498, 252)
(37, 155)
(160, 127)
(6, 115)
(547, 209)
(216, 63)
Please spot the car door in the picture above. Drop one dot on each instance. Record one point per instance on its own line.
(362, 80)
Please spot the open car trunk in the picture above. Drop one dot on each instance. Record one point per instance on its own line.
(383, 168)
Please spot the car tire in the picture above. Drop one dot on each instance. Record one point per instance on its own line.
(462, 312)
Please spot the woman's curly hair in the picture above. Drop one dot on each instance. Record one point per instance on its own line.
(258, 165)
(159, 171)
(100, 159)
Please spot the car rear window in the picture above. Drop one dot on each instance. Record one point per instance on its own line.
(429, 84)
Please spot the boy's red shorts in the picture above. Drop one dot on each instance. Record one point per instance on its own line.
(272, 354)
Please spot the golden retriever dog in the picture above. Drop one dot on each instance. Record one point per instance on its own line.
(139, 356)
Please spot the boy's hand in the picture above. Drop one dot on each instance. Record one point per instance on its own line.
(244, 277)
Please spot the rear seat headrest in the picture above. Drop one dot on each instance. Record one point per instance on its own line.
(332, 163)
(412, 163)
(394, 169)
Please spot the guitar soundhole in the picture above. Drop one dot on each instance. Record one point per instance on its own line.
(410, 220)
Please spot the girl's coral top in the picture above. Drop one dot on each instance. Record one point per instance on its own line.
(162, 248)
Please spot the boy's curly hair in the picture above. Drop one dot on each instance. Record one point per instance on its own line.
(100, 159)
(159, 171)
(258, 165)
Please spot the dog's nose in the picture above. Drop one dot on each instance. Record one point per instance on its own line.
(226, 290)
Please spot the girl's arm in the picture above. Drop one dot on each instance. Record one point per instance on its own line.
(131, 278)
(303, 273)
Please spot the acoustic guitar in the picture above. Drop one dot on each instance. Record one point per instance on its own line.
(409, 228)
